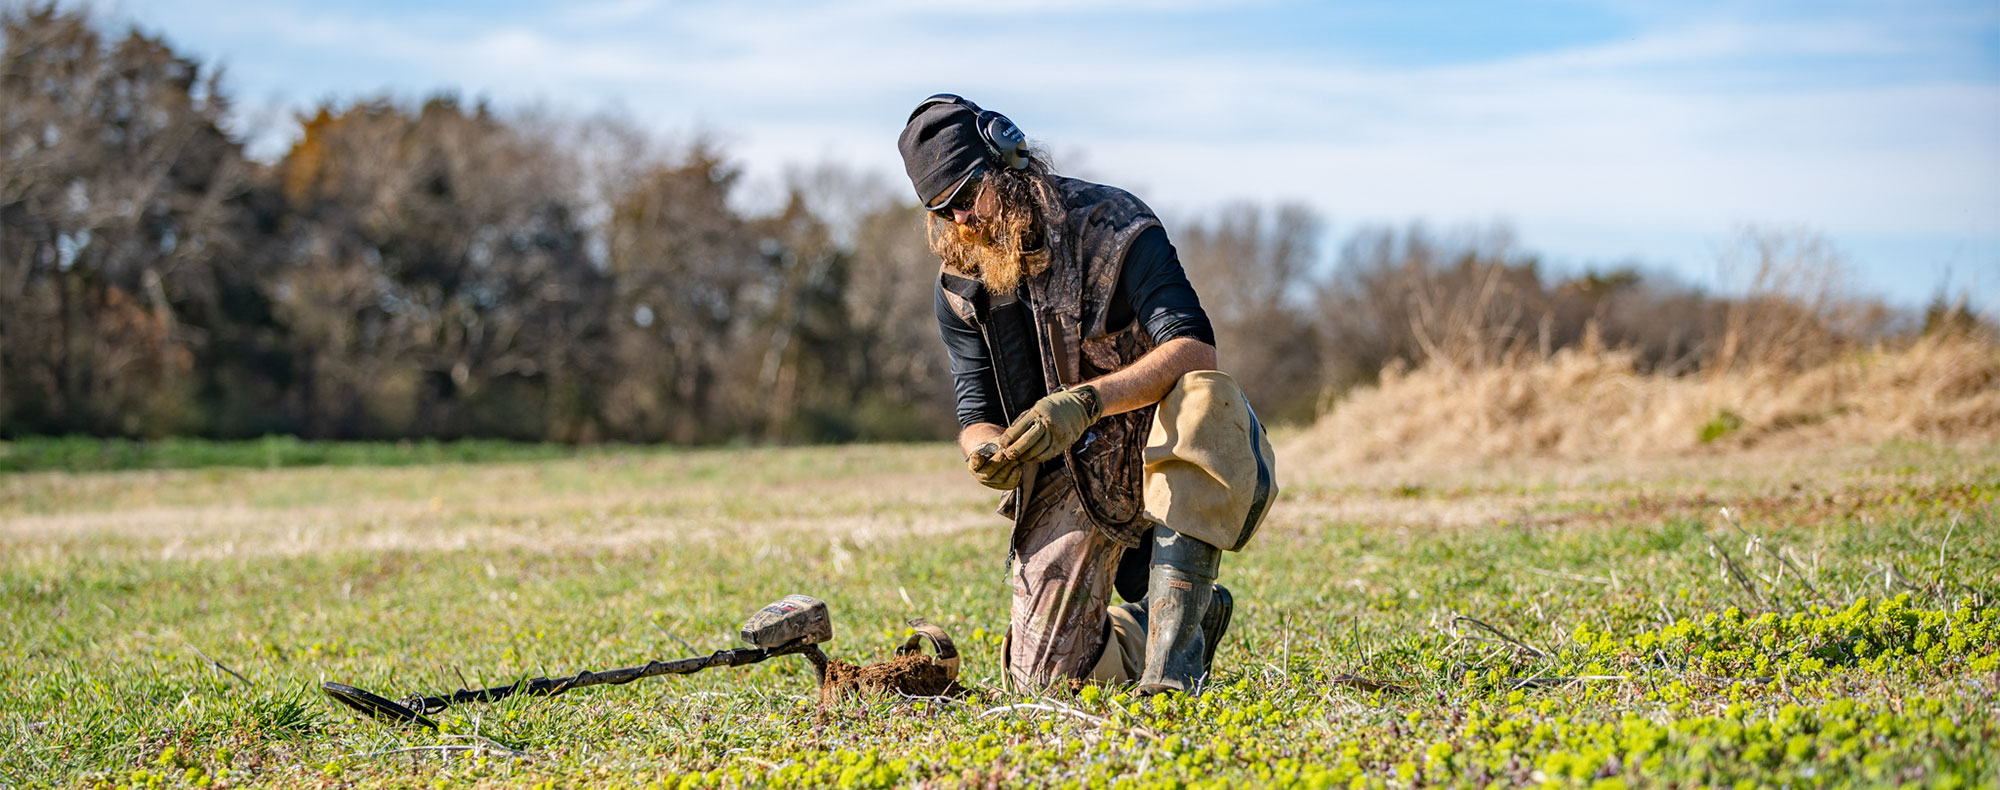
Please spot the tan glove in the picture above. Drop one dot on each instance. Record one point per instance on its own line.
(992, 472)
(1053, 424)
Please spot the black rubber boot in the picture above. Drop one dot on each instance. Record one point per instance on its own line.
(1178, 595)
(1215, 623)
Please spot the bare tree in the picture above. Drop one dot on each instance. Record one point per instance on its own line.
(683, 262)
(903, 375)
(1791, 309)
(116, 189)
(439, 255)
(1254, 269)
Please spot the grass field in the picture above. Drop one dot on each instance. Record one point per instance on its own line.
(1575, 625)
(86, 454)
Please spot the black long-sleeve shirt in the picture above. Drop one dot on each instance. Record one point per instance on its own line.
(1152, 289)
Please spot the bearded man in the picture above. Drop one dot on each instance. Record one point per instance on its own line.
(1068, 319)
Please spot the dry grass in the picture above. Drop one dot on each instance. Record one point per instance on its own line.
(1588, 403)
(604, 503)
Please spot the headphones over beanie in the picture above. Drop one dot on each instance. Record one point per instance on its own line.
(1004, 141)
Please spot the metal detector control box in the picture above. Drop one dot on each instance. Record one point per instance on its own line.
(795, 618)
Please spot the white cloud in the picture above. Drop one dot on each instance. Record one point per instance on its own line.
(1685, 127)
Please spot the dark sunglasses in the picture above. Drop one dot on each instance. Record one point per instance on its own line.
(962, 198)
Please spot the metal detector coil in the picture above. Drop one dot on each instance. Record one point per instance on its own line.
(375, 706)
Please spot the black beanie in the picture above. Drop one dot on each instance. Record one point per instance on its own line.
(940, 146)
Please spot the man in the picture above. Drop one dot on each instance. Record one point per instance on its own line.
(1068, 318)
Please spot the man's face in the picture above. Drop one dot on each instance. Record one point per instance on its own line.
(963, 203)
(975, 235)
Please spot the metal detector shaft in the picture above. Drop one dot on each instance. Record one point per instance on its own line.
(794, 625)
(549, 687)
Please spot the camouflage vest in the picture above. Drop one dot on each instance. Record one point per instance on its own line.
(1069, 301)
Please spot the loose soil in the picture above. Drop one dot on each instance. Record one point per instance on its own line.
(915, 676)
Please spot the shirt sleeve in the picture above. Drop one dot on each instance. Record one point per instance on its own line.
(1154, 289)
(971, 368)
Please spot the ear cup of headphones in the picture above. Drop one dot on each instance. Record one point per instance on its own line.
(1006, 139)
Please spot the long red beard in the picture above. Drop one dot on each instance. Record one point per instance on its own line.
(997, 259)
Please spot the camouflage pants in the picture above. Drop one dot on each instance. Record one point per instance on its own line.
(1061, 575)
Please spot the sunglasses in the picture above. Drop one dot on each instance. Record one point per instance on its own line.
(962, 198)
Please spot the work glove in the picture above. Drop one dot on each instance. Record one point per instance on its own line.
(992, 472)
(1054, 423)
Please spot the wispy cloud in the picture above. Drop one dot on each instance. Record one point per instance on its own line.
(1668, 118)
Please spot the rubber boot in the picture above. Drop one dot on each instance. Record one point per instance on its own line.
(1214, 623)
(1178, 593)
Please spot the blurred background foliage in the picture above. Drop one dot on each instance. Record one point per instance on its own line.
(440, 270)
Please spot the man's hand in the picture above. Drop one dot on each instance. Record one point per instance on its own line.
(1051, 425)
(993, 473)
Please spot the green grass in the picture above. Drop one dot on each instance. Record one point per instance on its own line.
(82, 453)
(1620, 650)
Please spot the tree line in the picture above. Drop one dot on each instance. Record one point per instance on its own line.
(438, 269)
(433, 270)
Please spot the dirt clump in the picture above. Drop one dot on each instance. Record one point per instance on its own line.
(915, 676)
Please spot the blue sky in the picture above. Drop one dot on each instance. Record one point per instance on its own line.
(1602, 131)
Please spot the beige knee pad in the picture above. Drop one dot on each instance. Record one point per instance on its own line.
(1124, 656)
